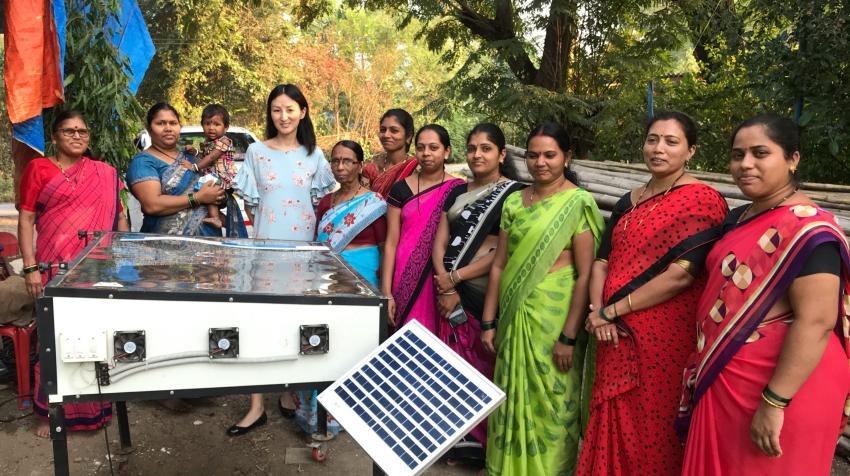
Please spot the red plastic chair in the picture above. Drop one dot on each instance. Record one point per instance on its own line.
(21, 339)
(21, 336)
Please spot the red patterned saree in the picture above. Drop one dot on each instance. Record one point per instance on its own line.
(82, 198)
(636, 389)
(738, 347)
(382, 182)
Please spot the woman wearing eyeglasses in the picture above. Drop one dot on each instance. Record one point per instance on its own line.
(60, 196)
(352, 219)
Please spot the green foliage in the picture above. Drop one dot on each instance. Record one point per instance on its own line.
(229, 52)
(96, 84)
(782, 57)
(352, 65)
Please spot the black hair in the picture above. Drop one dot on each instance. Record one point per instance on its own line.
(494, 134)
(216, 110)
(781, 130)
(441, 132)
(64, 116)
(687, 124)
(353, 146)
(405, 119)
(156, 108)
(305, 135)
(562, 138)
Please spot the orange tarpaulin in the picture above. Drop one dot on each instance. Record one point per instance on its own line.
(32, 76)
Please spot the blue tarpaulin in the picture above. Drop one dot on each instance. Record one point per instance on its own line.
(131, 36)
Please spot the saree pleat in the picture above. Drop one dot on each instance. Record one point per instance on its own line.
(537, 430)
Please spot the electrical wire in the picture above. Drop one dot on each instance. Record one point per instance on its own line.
(105, 430)
(115, 377)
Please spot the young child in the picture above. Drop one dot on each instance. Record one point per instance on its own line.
(216, 156)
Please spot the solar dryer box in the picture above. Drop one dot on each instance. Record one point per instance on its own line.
(148, 316)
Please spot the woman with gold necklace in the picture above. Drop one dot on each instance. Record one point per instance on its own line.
(767, 386)
(463, 255)
(646, 281)
(538, 283)
(415, 206)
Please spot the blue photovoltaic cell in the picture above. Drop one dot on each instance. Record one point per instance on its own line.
(412, 398)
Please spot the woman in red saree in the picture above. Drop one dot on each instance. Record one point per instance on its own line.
(415, 206)
(61, 196)
(772, 324)
(647, 277)
(396, 134)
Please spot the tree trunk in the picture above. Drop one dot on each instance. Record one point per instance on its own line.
(561, 33)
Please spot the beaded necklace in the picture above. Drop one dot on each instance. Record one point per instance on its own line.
(627, 219)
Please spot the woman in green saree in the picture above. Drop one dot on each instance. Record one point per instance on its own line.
(539, 285)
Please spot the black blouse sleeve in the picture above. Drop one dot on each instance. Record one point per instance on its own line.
(619, 210)
(452, 196)
(399, 194)
(824, 259)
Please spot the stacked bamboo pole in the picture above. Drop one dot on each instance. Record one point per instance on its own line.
(608, 181)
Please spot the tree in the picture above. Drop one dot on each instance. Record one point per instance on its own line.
(97, 84)
(228, 52)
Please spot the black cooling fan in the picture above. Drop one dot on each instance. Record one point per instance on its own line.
(224, 343)
(128, 346)
(315, 339)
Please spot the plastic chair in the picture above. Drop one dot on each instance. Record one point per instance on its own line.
(21, 338)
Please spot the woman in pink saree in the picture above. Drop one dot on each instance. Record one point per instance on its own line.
(767, 391)
(61, 196)
(415, 206)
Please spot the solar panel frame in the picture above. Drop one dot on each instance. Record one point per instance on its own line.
(432, 395)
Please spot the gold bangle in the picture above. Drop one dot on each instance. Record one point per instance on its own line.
(602, 260)
(772, 403)
(688, 266)
(629, 298)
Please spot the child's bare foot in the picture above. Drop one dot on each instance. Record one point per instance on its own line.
(214, 221)
(43, 429)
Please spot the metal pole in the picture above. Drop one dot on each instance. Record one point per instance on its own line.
(60, 442)
(650, 100)
(123, 425)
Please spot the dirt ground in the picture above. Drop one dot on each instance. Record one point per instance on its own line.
(166, 443)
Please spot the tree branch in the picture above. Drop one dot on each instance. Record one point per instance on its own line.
(499, 29)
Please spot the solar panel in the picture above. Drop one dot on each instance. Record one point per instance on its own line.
(410, 400)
